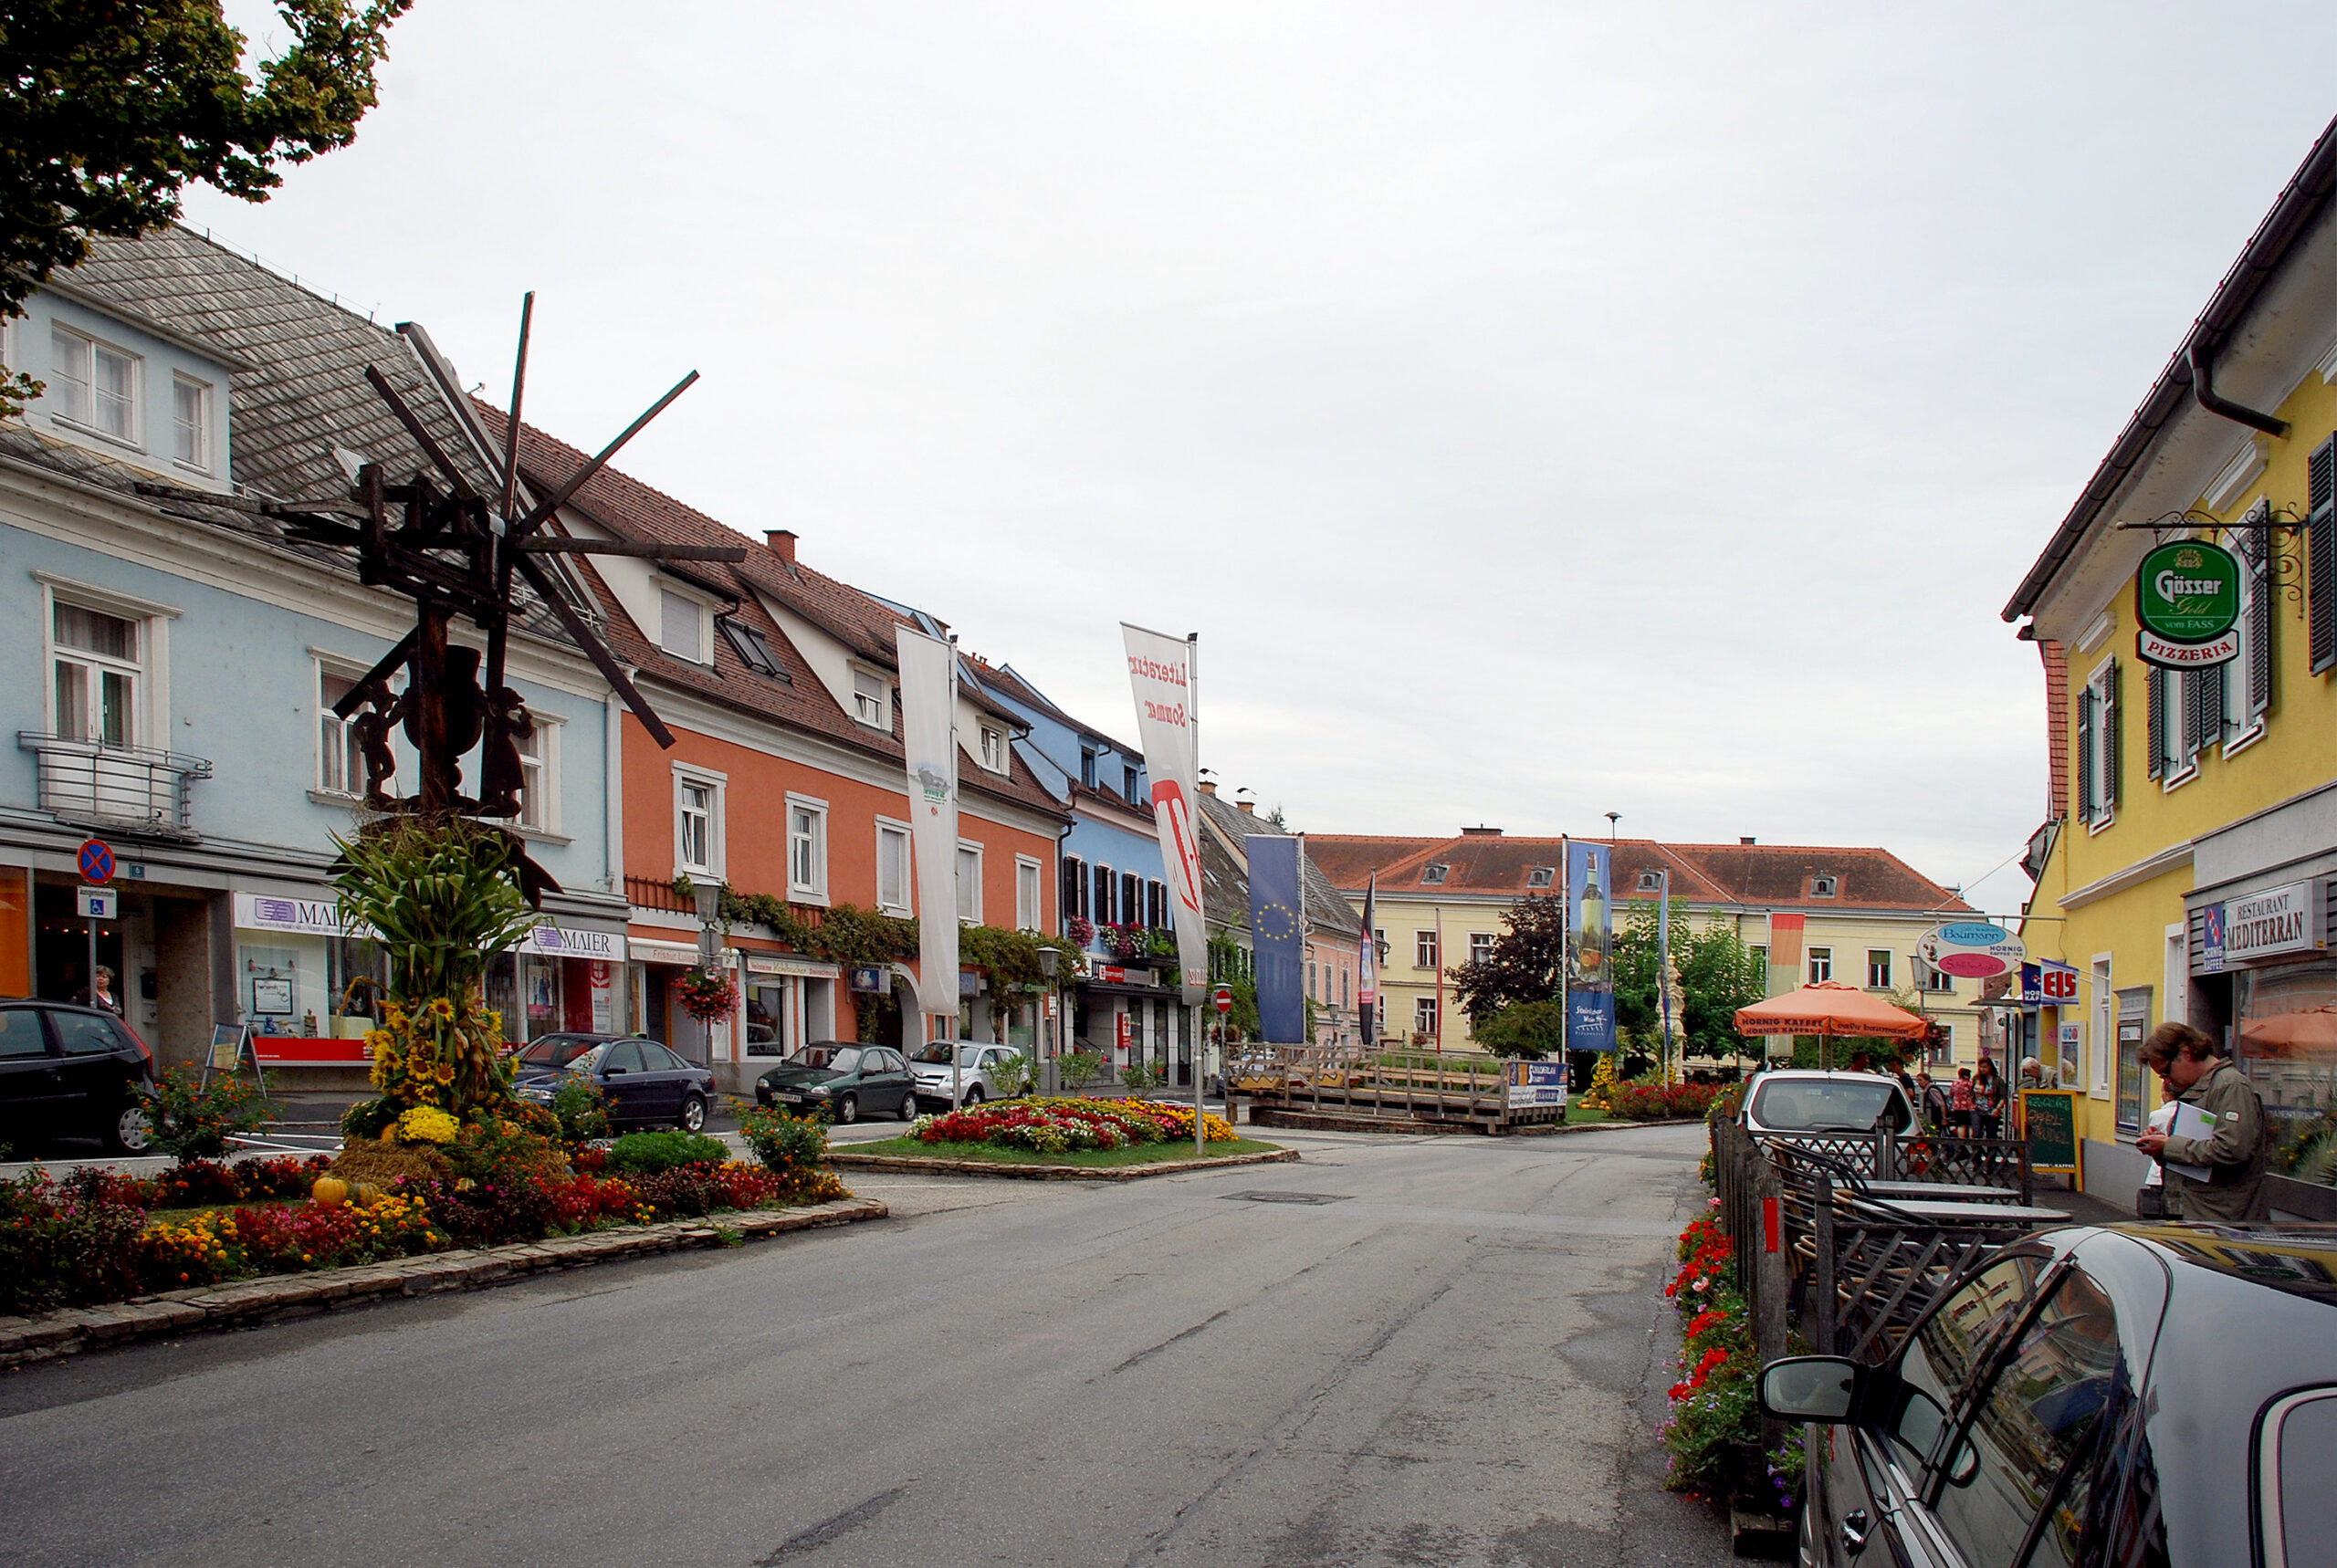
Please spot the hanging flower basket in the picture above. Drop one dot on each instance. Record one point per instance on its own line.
(1080, 929)
(708, 995)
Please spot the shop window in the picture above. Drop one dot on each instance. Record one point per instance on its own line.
(767, 1018)
(1821, 964)
(96, 672)
(340, 761)
(892, 868)
(1028, 915)
(969, 883)
(807, 849)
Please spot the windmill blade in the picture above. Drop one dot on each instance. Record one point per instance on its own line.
(499, 548)
(559, 498)
(518, 391)
(595, 650)
(414, 428)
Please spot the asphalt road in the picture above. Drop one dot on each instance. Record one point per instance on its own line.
(1459, 1359)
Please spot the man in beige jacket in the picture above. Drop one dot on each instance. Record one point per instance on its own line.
(2234, 1154)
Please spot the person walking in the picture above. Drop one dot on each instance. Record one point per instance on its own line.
(1960, 1102)
(2234, 1154)
(1987, 1101)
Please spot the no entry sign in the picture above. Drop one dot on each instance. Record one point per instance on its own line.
(1222, 998)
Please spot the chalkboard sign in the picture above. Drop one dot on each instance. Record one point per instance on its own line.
(2050, 1118)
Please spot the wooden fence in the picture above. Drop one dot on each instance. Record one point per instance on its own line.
(1405, 1082)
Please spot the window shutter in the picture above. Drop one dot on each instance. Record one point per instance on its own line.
(2255, 550)
(2195, 726)
(2085, 755)
(2321, 544)
(2155, 717)
(2111, 760)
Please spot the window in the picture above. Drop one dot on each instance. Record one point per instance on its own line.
(191, 422)
(1155, 906)
(95, 668)
(2250, 678)
(807, 848)
(1821, 963)
(1878, 968)
(683, 632)
(1954, 1339)
(749, 645)
(892, 868)
(1028, 915)
(1433, 875)
(2171, 740)
(1822, 886)
(1131, 898)
(1650, 882)
(1930, 979)
(1423, 949)
(1088, 765)
(340, 761)
(698, 822)
(1480, 946)
(540, 775)
(1345, 975)
(1310, 980)
(1541, 876)
(1104, 882)
(92, 385)
(2098, 747)
(969, 883)
(1128, 784)
(993, 749)
(868, 699)
(1074, 887)
(1424, 1016)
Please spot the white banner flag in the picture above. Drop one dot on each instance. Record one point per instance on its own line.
(928, 733)
(1161, 670)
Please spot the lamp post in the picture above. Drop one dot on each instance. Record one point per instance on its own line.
(1050, 964)
(708, 895)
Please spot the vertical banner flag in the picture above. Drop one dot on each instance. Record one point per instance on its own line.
(929, 735)
(1277, 937)
(1367, 966)
(1591, 979)
(1160, 669)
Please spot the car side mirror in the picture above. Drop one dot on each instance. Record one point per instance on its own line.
(1811, 1389)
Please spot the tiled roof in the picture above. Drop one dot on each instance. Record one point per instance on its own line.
(632, 510)
(1010, 684)
(1327, 909)
(1349, 859)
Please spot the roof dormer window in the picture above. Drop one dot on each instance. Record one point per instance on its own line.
(1823, 886)
(868, 698)
(682, 627)
(993, 748)
(1542, 876)
(1433, 875)
(1650, 882)
(93, 385)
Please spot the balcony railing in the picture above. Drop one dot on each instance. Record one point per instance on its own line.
(128, 789)
(648, 893)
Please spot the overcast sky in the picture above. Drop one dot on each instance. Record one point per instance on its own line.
(1538, 410)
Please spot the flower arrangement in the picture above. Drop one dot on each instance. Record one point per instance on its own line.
(422, 1125)
(1059, 1126)
(708, 995)
(1715, 1421)
(1080, 930)
(1126, 943)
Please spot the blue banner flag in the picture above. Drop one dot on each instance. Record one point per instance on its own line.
(1591, 979)
(1278, 938)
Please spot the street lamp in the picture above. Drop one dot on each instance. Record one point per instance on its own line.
(707, 896)
(1050, 964)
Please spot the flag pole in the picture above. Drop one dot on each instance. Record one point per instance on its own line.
(1200, 1045)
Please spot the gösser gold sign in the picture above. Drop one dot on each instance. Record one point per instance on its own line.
(2186, 602)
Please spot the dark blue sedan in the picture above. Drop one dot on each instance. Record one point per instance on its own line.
(646, 1085)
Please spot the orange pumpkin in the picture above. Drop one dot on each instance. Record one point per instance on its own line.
(330, 1192)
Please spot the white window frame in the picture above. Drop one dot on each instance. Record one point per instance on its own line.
(719, 785)
(1820, 959)
(992, 748)
(1029, 894)
(1432, 945)
(668, 595)
(881, 698)
(1424, 1016)
(970, 909)
(889, 827)
(812, 888)
(322, 668)
(2180, 763)
(2100, 811)
(201, 461)
(148, 713)
(1872, 984)
(1480, 946)
(540, 777)
(86, 420)
(2246, 728)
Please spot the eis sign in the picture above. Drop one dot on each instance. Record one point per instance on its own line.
(2187, 605)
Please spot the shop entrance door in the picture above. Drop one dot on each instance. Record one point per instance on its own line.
(61, 949)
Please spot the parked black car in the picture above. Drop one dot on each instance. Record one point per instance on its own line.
(647, 1085)
(2150, 1395)
(69, 1071)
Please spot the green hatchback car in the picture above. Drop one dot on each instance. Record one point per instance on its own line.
(844, 1079)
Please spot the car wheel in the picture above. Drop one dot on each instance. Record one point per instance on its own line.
(909, 1107)
(130, 1133)
(848, 1110)
(694, 1114)
(973, 1098)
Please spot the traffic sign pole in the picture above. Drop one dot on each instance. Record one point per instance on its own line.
(96, 867)
(1222, 999)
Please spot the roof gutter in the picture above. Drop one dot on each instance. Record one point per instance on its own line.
(2183, 380)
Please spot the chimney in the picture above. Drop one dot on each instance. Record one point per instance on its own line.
(1746, 838)
(1247, 808)
(1481, 833)
(781, 540)
(1209, 786)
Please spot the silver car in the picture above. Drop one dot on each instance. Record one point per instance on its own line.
(974, 1078)
(1797, 1100)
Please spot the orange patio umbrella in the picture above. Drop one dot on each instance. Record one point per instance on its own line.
(1827, 1009)
(2312, 1032)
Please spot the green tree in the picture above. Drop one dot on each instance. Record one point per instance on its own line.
(1528, 1029)
(1718, 975)
(1527, 963)
(112, 106)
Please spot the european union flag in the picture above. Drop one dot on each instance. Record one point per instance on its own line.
(1278, 936)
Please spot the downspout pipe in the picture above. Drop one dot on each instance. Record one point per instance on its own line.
(2203, 389)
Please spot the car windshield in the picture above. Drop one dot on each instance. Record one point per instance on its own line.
(938, 1055)
(1826, 1105)
(559, 1050)
(827, 1058)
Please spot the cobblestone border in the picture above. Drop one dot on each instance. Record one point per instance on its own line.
(277, 1298)
(909, 1163)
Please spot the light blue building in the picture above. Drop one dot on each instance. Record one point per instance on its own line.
(1126, 1003)
(175, 658)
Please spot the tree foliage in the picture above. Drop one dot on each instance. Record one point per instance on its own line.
(1529, 1030)
(1527, 963)
(1718, 975)
(110, 106)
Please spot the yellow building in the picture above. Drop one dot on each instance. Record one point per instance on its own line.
(2191, 844)
(1814, 911)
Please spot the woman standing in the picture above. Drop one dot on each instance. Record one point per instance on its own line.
(1960, 1102)
(1987, 1101)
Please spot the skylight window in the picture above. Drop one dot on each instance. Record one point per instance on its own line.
(754, 651)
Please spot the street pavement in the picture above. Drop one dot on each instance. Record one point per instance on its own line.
(1447, 1351)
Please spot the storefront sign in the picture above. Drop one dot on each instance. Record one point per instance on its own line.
(869, 978)
(1975, 949)
(2049, 1122)
(2056, 983)
(2153, 649)
(566, 942)
(2212, 947)
(2188, 592)
(1534, 1084)
(306, 916)
(2265, 924)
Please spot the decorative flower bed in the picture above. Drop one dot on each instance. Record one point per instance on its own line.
(1715, 1430)
(1661, 1101)
(1059, 1126)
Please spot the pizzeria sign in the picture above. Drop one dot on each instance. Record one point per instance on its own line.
(2187, 605)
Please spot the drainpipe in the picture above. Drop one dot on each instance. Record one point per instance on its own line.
(2203, 388)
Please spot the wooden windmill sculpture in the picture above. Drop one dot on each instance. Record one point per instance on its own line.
(456, 552)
